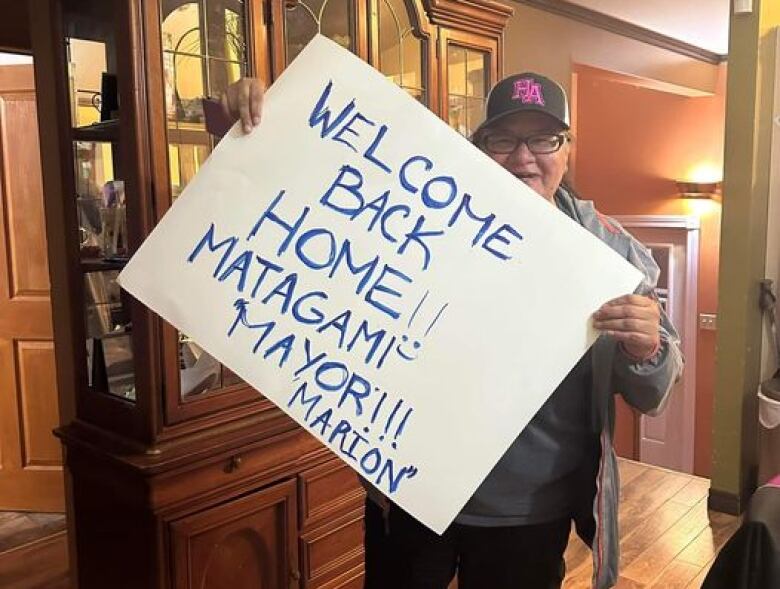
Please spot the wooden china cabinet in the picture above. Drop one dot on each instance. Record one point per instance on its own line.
(180, 475)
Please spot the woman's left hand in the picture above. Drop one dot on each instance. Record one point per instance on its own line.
(633, 320)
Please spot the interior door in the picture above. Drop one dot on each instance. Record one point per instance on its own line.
(30, 456)
(667, 439)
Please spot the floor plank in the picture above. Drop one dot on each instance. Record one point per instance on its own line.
(676, 576)
(43, 563)
(668, 538)
(648, 565)
(18, 528)
(711, 539)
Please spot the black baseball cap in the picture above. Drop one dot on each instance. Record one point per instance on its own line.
(526, 92)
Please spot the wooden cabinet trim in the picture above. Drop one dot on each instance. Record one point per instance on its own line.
(312, 513)
(347, 559)
(486, 16)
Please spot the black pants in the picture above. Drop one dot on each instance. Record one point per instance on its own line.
(403, 554)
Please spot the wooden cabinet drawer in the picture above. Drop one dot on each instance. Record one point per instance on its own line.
(244, 467)
(332, 549)
(326, 491)
(352, 579)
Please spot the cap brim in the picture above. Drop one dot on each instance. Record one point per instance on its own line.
(522, 108)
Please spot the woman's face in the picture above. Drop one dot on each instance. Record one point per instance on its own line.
(542, 173)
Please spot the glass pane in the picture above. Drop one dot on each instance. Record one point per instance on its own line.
(301, 24)
(185, 162)
(189, 87)
(477, 67)
(456, 70)
(418, 95)
(204, 45)
(401, 53)
(475, 111)
(181, 29)
(338, 22)
(86, 65)
(457, 114)
(225, 22)
(229, 377)
(390, 31)
(413, 62)
(199, 372)
(110, 365)
(222, 74)
(94, 167)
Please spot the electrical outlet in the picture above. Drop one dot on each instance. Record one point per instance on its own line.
(708, 321)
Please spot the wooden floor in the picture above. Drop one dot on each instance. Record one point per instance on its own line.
(668, 539)
(18, 528)
(33, 551)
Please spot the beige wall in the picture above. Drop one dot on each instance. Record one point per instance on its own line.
(552, 45)
(768, 362)
(704, 23)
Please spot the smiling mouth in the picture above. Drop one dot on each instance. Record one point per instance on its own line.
(526, 177)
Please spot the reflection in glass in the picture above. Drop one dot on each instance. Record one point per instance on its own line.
(401, 55)
(305, 18)
(467, 87)
(94, 167)
(204, 51)
(110, 366)
(86, 64)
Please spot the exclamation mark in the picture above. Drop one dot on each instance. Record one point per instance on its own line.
(392, 415)
(401, 426)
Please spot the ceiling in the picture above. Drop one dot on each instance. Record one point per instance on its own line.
(703, 23)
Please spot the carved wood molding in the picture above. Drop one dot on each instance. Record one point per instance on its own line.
(624, 28)
(481, 15)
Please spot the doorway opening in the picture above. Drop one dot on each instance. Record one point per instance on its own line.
(635, 139)
(32, 497)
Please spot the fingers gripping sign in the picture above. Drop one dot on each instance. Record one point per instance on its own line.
(243, 100)
(634, 321)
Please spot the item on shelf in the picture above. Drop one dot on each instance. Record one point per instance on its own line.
(114, 193)
(103, 307)
(89, 226)
(113, 220)
(109, 99)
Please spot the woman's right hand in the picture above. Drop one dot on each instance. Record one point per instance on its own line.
(243, 100)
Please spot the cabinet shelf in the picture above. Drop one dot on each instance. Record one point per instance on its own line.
(102, 264)
(106, 131)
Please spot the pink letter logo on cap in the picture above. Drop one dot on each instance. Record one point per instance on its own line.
(528, 91)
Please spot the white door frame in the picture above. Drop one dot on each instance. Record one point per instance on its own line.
(692, 226)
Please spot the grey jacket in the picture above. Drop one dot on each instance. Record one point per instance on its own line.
(644, 385)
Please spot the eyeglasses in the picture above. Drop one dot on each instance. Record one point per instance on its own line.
(539, 144)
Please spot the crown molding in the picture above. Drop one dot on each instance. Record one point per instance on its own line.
(624, 28)
(484, 15)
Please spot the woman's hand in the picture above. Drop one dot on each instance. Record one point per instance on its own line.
(633, 320)
(243, 100)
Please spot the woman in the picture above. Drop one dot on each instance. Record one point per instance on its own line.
(514, 530)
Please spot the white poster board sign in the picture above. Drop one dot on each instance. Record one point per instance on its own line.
(395, 291)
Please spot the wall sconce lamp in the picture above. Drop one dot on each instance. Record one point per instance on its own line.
(698, 189)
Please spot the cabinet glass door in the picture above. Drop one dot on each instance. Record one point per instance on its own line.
(469, 70)
(400, 46)
(99, 197)
(204, 51)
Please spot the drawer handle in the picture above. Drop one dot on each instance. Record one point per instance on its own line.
(295, 574)
(233, 464)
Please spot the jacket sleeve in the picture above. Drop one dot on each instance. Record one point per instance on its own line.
(646, 385)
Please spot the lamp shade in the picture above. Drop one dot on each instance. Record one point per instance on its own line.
(698, 189)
